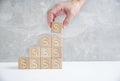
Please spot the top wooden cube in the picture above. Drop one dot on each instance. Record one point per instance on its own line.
(56, 27)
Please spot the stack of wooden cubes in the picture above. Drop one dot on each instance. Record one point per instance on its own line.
(48, 55)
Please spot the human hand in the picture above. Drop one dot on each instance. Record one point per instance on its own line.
(69, 9)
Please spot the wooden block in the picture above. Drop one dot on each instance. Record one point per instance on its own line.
(23, 63)
(56, 27)
(45, 41)
(45, 52)
(56, 41)
(45, 63)
(34, 63)
(56, 63)
(35, 52)
(56, 52)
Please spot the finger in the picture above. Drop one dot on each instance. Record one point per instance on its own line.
(57, 10)
(50, 17)
(53, 13)
(67, 19)
(60, 13)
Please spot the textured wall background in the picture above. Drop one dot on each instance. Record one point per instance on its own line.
(94, 34)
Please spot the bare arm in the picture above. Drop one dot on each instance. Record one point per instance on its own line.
(69, 9)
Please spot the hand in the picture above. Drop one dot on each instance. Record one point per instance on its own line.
(70, 9)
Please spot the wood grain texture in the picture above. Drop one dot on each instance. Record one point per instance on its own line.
(35, 52)
(34, 63)
(45, 63)
(56, 41)
(45, 52)
(23, 63)
(45, 41)
(56, 52)
(56, 27)
(56, 63)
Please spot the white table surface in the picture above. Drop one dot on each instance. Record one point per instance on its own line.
(72, 71)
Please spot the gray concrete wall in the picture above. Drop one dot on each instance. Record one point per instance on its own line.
(94, 34)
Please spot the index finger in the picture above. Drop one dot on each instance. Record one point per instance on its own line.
(52, 13)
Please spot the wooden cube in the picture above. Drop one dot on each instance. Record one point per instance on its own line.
(45, 41)
(35, 52)
(34, 63)
(23, 63)
(56, 52)
(45, 52)
(56, 63)
(56, 41)
(45, 63)
(56, 27)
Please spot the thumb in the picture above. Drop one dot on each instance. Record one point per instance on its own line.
(67, 19)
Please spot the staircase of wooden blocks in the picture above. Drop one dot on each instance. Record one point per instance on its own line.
(48, 55)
